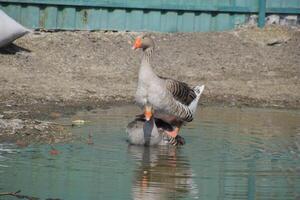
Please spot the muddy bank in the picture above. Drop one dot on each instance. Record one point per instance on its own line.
(66, 71)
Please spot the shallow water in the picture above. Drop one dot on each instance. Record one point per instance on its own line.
(230, 153)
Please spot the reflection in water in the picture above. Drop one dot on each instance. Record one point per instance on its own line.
(246, 154)
(162, 173)
(229, 154)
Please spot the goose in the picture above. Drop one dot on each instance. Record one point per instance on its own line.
(151, 132)
(171, 100)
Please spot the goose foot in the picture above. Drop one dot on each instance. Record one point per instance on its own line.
(178, 140)
(173, 133)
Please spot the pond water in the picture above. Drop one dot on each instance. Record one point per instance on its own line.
(230, 153)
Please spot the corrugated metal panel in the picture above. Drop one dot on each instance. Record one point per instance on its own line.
(139, 15)
(283, 6)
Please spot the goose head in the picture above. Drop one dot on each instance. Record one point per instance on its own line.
(143, 42)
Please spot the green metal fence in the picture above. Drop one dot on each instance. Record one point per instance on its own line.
(143, 15)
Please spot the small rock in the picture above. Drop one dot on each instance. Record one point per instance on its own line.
(275, 42)
(13, 124)
(39, 127)
(55, 115)
(54, 152)
(21, 143)
(78, 122)
(17, 123)
(272, 19)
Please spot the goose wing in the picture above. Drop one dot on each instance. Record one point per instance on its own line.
(180, 91)
(181, 96)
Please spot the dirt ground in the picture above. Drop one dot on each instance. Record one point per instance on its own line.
(58, 73)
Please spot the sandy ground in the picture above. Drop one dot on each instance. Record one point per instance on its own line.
(66, 71)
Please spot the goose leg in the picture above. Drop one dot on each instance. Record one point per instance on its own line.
(148, 112)
(173, 133)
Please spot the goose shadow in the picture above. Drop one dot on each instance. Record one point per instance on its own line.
(162, 173)
(12, 49)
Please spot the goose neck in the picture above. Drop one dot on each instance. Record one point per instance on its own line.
(148, 54)
(146, 70)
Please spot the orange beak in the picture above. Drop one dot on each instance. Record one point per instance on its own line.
(148, 112)
(137, 43)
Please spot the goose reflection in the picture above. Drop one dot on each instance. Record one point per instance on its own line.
(151, 132)
(162, 173)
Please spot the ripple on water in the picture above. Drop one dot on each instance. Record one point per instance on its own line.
(230, 154)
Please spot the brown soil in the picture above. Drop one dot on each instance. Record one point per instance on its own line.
(67, 71)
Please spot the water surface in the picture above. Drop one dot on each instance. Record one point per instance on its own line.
(230, 153)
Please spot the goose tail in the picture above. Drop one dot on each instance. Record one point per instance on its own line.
(198, 90)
